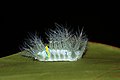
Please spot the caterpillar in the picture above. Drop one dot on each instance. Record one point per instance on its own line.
(62, 45)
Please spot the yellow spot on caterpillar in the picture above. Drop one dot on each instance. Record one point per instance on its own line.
(47, 50)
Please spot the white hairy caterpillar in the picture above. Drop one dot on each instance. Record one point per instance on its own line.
(63, 45)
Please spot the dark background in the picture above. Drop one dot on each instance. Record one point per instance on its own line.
(14, 29)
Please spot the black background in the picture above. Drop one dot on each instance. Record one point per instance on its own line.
(14, 28)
